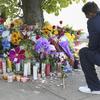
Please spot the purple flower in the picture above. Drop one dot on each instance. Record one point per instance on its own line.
(50, 48)
(17, 54)
(6, 44)
(41, 44)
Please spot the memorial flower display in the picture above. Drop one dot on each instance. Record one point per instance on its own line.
(50, 46)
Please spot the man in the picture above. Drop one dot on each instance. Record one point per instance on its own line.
(90, 56)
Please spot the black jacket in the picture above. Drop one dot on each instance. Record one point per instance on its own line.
(93, 26)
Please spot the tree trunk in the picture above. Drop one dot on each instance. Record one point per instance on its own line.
(32, 12)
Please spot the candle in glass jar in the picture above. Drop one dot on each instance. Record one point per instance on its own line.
(0, 65)
(9, 64)
(4, 66)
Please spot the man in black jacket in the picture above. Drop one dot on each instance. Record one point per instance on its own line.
(90, 56)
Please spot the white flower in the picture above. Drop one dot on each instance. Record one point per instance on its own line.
(15, 59)
(5, 33)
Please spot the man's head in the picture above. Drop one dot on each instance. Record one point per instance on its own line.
(90, 9)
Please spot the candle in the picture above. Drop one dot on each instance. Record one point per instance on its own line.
(47, 69)
(29, 67)
(18, 78)
(43, 70)
(26, 69)
(4, 66)
(17, 66)
(0, 65)
(35, 71)
(9, 63)
(10, 78)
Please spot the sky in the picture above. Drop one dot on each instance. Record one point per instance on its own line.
(72, 16)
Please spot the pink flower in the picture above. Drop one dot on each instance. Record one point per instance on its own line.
(16, 54)
(2, 20)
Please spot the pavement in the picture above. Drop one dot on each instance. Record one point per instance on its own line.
(50, 89)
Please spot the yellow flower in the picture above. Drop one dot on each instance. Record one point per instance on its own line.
(68, 35)
(55, 32)
(73, 36)
(46, 31)
(18, 22)
(47, 28)
(16, 38)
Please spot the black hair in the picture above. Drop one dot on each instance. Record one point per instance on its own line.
(90, 7)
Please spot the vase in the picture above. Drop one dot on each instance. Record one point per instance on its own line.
(47, 69)
(35, 71)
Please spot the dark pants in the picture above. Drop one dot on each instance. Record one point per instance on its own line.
(88, 59)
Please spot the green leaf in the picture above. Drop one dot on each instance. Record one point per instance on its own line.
(12, 9)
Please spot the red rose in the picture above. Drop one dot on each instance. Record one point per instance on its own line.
(37, 37)
(2, 20)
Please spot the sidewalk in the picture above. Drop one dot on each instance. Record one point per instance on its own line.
(48, 90)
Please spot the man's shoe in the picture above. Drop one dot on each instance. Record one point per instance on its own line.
(85, 89)
(95, 92)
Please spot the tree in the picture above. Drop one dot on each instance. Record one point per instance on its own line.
(32, 10)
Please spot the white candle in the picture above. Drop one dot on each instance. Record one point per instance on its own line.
(43, 70)
(4, 66)
(17, 66)
(35, 71)
(10, 78)
(29, 68)
(26, 69)
(35, 75)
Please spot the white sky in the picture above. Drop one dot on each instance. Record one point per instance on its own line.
(72, 16)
